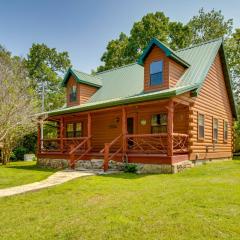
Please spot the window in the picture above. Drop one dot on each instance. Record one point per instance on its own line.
(74, 129)
(156, 76)
(78, 129)
(73, 94)
(201, 130)
(225, 131)
(215, 129)
(159, 123)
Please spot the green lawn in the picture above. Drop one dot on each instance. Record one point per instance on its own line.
(200, 203)
(18, 173)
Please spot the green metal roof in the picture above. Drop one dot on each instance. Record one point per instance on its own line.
(168, 51)
(82, 77)
(125, 84)
(201, 58)
(122, 101)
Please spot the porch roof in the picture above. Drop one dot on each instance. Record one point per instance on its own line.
(125, 84)
(167, 93)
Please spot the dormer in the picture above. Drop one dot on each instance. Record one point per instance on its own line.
(162, 67)
(79, 87)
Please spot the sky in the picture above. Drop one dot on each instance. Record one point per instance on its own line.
(84, 27)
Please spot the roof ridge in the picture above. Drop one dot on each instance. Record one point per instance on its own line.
(86, 73)
(112, 69)
(199, 44)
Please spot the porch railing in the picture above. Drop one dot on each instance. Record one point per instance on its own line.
(144, 144)
(61, 145)
(156, 143)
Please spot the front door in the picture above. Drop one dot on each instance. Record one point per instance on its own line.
(130, 130)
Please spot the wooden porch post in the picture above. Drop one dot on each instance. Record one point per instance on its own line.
(89, 130)
(124, 130)
(170, 128)
(39, 138)
(61, 134)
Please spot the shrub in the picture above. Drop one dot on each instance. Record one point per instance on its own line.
(130, 168)
(18, 153)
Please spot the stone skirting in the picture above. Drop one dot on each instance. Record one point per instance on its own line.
(52, 163)
(141, 168)
(204, 161)
(163, 168)
(97, 164)
(113, 165)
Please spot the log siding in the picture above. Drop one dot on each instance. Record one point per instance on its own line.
(213, 102)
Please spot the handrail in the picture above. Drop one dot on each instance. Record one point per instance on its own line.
(55, 139)
(74, 149)
(112, 142)
(106, 151)
(87, 151)
(156, 135)
(114, 154)
(79, 145)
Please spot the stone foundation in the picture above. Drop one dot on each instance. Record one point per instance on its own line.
(113, 165)
(163, 168)
(81, 164)
(97, 164)
(204, 161)
(52, 163)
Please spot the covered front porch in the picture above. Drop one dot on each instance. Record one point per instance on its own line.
(152, 133)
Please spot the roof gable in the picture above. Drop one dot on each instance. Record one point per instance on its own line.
(126, 84)
(81, 77)
(201, 57)
(168, 51)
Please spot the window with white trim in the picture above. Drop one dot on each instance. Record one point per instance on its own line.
(225, 131)
(215, 129)
(201, 126)
(156, 73)
(73, 94)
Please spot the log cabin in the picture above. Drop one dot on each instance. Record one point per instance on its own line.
(168, 110)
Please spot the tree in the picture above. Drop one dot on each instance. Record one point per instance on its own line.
(209, 25)
(202, 27)
(151, 25)
(46, 66)
(17, 104)
(233, 55)
(180, 35)
(125, 50)
(115, 54)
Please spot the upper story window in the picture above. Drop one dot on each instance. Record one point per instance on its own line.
(156, 73)
(225, 131)
(201, 126)
(215, 129)
(159, 123)
(73, 94)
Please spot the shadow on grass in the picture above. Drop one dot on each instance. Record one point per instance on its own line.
(126, 175)
(31, 168)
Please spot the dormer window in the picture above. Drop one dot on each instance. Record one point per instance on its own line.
(156, 73)
(73, 94)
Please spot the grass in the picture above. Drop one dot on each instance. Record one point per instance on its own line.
(201, 203)
(19, 173)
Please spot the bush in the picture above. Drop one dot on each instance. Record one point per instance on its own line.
(130, 168)
(18, 153)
